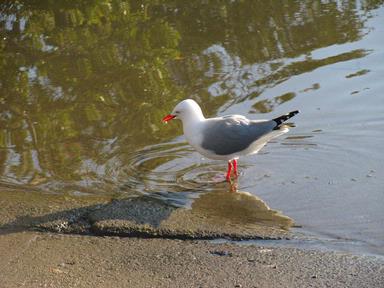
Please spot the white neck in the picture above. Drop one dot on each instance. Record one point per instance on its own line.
(191, 121)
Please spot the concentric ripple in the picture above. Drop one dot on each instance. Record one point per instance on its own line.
(163, 169)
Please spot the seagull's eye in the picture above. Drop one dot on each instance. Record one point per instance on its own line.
(177, 112)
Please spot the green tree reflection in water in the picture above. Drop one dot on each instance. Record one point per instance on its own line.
(257, 44)
(77, 76)
(84, 83)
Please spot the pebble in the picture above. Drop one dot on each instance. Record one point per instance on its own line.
(221, 253)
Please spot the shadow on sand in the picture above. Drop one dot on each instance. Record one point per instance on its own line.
(215, 214)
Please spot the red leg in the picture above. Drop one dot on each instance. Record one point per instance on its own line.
(228, 177)
(235, 167)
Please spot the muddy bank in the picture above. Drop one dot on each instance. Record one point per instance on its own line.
(228, 215)
(32, 259)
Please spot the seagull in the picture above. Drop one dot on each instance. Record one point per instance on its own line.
(228, 137)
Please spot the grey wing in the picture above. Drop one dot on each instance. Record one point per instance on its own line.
(229, 135)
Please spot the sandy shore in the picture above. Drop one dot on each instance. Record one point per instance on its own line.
(33, 259)
(100, 248)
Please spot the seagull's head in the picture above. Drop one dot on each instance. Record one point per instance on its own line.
(186, 110)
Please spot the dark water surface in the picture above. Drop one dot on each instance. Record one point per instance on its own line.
(84, 85)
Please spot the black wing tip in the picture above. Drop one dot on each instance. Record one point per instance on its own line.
(283, 118)
(293, 113)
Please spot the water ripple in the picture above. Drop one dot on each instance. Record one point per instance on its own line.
(163, 169)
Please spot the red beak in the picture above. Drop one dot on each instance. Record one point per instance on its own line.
(168, 118)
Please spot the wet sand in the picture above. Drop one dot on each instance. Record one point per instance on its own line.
(235, 217)
(33, 259)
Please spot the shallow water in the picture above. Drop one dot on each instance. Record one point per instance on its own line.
(84, 87)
